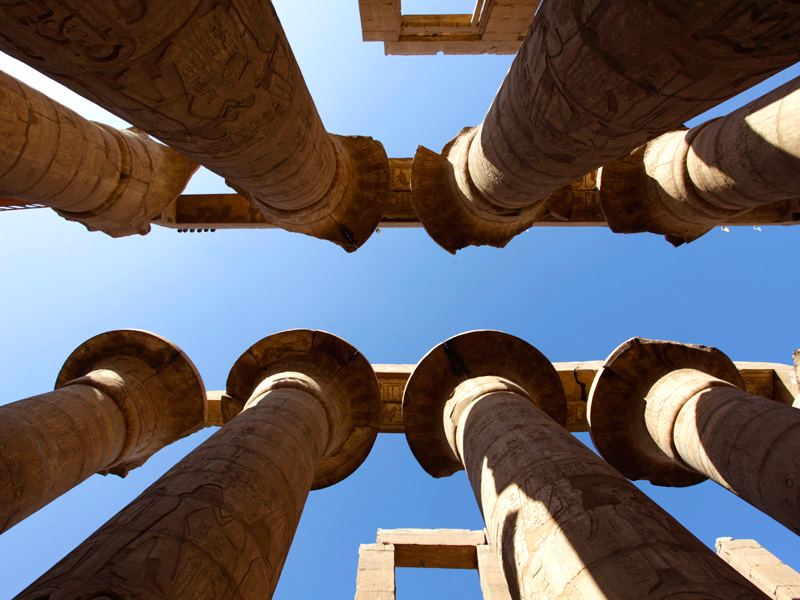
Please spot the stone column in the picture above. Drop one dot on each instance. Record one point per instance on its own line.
(219, 83)
(111, 180)
(219, 524)
(592, 81)
(120, 397)
(684, 182)
(674, 414)
(564, 523)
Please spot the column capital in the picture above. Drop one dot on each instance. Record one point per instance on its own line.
(160, 392)
(461, 358)
(350, 386)
(452, 210)
(618, 402)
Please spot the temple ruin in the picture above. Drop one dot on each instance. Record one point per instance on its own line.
(217, 85)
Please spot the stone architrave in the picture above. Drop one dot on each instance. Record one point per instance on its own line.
(592, 81)
(675, 414)
(764, 569)
(219, 524)
(111, 180)
(565, 524)
(684, 182)
(219, 83)
(120, 397)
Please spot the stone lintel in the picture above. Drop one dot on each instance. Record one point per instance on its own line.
(493, 28)
(433, 548)
(770, 380)
(761, 567)
(576, 205)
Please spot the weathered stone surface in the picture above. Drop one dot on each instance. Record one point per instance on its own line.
(657, 65)
(375, 579)
(351, 394)
(684, 182)
(220, 84)
(461, 359)
(493, 584)
(494, 27)
(220, 523)
(764, 569)
(565, 524)
(120, 397)
(433, 548)
(687, 419)
(111, 180)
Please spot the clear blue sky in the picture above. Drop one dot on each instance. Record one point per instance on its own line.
(575, 294)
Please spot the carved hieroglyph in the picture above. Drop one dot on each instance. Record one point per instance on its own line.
(592, 81)
(121, 396)
(564, 522)
(112, 180)
(219, 83)
(684, 182)
(675, 414)
(220, 523)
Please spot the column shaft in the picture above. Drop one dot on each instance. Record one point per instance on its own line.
(752, 156)
(594, 80)
(112, 180)
(52, 442)
(745, 443)
(217, 525)
(216, 81)
(566, 524)
(684, 182)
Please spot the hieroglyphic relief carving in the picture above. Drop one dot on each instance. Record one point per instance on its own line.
(684, 182)
(111, 180)
(220, 84)
(675, 414)
(121, 396)
(563, 522)
(548, 125)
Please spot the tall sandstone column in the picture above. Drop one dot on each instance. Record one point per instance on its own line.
(674, 414)
(684, 182)
(120, 397)
(218, 82)
(220, 523)
(593, 80)
(112, 180)
(564, 523)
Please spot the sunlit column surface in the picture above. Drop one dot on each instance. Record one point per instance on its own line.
(120, 397)
(684, 182)
(675, 414)
(592, 81)
(220, 523)
(108, 179)
(564, 523)
(218, 82)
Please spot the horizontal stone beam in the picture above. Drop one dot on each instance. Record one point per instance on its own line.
(576, 205)
(493, 28)
(433, 548)
(770, 380)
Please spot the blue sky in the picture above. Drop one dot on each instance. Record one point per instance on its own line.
(575, 294)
